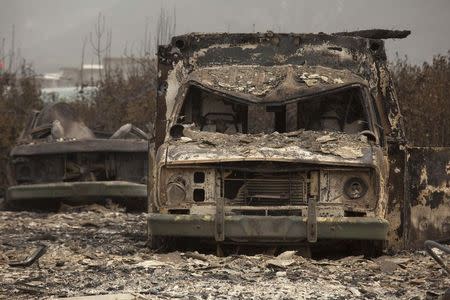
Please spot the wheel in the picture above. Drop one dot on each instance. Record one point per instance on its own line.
(158, 243)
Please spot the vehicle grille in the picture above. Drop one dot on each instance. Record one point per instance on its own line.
(266, 189)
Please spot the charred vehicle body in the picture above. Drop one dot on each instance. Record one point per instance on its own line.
(58, 157)
(274, 138)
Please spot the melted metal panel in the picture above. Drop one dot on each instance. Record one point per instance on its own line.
(429, 194)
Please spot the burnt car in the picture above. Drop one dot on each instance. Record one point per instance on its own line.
(57, 157)
(271, 138)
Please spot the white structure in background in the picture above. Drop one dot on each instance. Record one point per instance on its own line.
(66, 84)
(89, 75)
(67, 94)
(125, 65)
(51, 79)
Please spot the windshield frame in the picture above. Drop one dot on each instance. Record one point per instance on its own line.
(366, 97)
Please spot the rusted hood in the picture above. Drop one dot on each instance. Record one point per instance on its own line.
(329, 148)
(267, 84)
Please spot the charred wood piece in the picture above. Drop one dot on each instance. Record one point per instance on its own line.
(429, 245)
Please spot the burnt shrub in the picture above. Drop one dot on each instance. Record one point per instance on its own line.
(123, 96)
(424, 97)
(19, 95)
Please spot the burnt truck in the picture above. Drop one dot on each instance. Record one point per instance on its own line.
(57, 157)
(281, 138)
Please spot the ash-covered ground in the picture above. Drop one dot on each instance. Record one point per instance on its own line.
(102, 251)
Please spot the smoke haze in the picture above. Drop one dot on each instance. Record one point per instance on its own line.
(49, 33)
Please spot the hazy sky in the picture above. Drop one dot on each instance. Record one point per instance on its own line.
(50, 32)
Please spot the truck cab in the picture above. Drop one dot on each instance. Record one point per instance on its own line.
(272, 138)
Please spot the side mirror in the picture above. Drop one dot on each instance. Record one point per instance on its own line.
(370, 135)
(151, 130)
(176, 131)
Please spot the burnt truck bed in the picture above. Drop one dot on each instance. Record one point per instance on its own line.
(79, 170)
(419, 209)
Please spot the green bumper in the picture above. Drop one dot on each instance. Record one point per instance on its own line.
(287, 229)
(76, 190)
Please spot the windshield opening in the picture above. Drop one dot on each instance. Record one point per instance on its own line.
(339, 111)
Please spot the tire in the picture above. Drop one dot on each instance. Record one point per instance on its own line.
(157, 243)
(372, 249)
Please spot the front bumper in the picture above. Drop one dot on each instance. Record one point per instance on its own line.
(76, 190)
(287, 229)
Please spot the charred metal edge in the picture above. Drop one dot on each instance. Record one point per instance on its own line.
(377, 33)
(31, 259)
(61, 190)
(95, 145)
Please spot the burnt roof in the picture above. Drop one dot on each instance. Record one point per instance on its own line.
(185, 40)
(269, 48)
(271, 84)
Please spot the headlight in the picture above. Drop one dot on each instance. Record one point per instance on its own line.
(176, 190)
(355, 188)
(24, 171)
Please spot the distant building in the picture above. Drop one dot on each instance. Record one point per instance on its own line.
(70, 76)
(50, 80)
(125, 65)
(89, 74)
(67, 94)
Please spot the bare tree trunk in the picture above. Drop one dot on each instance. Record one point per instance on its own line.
(83, 49)
(2, 51)
(108, 51)
(11, 52)
(100, 46)
(165, 27)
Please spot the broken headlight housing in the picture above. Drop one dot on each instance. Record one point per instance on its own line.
(23, 172)
(176, 190)
(182, 187)
(355, 188)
